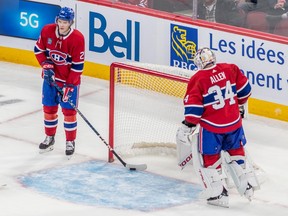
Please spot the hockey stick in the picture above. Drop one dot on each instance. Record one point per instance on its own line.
(139, 167)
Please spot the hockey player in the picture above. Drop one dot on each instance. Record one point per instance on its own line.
(211, 103)
(60, 52)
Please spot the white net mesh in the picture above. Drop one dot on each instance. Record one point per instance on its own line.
(148, 109)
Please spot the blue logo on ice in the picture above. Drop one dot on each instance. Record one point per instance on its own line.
(100, 184)
(184, 42)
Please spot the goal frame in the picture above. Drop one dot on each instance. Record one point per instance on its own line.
(112, 82)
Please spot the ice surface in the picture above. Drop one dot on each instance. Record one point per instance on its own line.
(21, 130)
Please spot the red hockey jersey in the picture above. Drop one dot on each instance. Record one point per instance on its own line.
(66, 52)
(213, 96)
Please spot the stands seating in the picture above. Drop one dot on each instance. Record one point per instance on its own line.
(256, 20)
(281, 28)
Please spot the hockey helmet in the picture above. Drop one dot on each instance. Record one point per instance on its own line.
(66, 14)
(204, 57)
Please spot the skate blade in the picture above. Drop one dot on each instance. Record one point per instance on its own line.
(69, 156)
(220, 203)
(249, 194)
(42, 151)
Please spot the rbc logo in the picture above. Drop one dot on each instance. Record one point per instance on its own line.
(119, 44)
(184, 42)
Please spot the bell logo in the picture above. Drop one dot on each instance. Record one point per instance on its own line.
(119, 44)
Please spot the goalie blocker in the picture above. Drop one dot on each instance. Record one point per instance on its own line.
(183, 140)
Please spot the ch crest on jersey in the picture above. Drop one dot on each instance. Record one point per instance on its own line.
(58, 57)
(184, 42)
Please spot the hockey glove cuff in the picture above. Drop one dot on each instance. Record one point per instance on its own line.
(47, 65)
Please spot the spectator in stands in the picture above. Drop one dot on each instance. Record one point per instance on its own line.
(275, 10)
(274, 7)
(247, 6)
(220, 11)
(278, 10)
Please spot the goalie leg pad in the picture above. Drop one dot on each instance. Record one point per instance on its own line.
(212, 179)
(243, 175)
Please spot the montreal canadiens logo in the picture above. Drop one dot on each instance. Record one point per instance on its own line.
(58, 58)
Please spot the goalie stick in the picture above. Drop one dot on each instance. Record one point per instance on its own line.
(138, 167)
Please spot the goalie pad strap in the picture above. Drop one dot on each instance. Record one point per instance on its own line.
(216, 164)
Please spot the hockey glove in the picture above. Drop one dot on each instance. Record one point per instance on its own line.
(49, 75)
(48, 71)
(67, 92)
(184, 133)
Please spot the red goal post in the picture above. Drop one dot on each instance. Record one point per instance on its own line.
(145, 107)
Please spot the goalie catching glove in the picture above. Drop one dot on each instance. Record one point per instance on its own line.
(67, 92)
(184, 133)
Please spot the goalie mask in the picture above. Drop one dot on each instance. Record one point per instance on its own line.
(204, 57)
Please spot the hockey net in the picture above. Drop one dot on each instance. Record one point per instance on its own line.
(146, 108)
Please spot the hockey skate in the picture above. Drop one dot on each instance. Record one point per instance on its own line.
(70, 147)
(221, 200)
(47, 145)
(249, 192)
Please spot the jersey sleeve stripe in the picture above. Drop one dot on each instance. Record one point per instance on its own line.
(245, 91)
(77, 67)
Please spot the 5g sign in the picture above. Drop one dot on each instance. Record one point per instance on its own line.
(29, 20)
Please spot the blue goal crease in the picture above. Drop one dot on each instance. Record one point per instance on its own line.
(97, 183)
